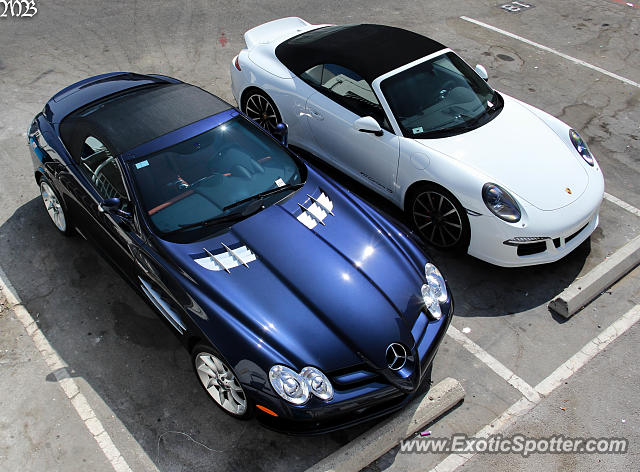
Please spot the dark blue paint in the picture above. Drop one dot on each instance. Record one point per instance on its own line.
(333, 297)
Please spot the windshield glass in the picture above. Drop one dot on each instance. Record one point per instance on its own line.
(440, 97)
(190, 189)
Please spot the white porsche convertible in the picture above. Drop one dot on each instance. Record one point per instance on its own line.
(474, 169)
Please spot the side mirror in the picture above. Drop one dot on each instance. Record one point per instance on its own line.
(282, 133)
(482, 72)
(113, 206)
(367, 124)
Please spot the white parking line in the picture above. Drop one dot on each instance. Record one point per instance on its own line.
(622, 204)
(60, 371)
(553, 51)
(548, 385)
(494, 364)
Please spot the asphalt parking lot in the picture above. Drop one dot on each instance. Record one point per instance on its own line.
(131, 369)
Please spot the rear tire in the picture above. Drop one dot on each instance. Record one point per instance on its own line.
(439, 218)
(258, 106)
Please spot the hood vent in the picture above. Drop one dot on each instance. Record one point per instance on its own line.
(227, 258)
(315, 213)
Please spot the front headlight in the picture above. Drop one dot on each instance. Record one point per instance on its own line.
(289, 385)
(434, 292)
(318, 383)
(297, 388)
(581, 147)
(500, 203)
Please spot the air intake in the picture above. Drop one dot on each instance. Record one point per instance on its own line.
(315, 214)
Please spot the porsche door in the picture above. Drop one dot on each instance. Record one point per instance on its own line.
(341, 98)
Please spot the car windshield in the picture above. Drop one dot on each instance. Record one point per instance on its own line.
(191, 189)
(440, 97)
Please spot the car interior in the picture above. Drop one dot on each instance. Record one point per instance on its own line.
(198, 178)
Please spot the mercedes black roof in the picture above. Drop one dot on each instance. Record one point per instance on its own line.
(369, 50)
(137, 115)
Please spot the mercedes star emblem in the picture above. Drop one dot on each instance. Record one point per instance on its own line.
(396, 356)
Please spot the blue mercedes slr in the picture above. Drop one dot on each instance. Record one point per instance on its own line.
(298, 302)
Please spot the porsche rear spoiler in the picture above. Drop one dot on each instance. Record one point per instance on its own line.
(276, 29)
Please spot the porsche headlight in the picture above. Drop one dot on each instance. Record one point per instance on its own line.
(297, 388)
(289, 385)
(434, 292)
(318, 383)
(500, 203)
(581, 147)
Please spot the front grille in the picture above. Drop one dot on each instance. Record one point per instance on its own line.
(532, 248)
(569, 238)
(355, 376)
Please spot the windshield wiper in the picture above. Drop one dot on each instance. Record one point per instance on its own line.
(261, 195)
(235, 216)
(210, 221)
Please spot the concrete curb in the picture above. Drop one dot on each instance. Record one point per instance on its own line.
(596, 281)
(372, 444)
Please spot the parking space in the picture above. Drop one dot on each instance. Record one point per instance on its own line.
(126, 362)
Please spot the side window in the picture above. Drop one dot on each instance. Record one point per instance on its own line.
(314, 75)
(346, 88)
(100, 168)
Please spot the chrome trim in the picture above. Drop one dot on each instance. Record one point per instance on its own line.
(234, 255)
(227, 259)
(396, 356)
(316, 212)
(313, 215)
(216, 260)
(81, 233)
(162, 306)
(321, 205)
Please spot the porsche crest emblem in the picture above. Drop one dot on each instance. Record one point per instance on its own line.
(568, 190)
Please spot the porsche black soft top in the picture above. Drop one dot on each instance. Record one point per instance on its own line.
(369, 50)
(137, 115)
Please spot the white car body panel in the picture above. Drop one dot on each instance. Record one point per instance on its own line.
(529, 154)
(371, 159)
(523, 149)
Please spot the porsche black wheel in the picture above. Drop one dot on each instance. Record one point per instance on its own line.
(439, 218)
(259, 107)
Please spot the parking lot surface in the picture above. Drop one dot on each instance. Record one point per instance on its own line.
(130, 368)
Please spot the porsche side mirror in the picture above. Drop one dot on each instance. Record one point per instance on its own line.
(113, 206)
(367, 124)
(282, 133)
(482, 72)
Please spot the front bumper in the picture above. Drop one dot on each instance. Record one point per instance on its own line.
(564, 230)
(361, 402)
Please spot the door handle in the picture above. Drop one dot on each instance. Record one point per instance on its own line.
(316, 114)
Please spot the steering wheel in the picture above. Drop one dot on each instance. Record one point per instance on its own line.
(98, 171)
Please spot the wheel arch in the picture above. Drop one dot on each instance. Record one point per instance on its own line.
(245, 93)
(413, 188)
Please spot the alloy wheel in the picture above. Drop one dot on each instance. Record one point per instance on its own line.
(221, 384)
(437, 219)
(53, 206)
(259, 108)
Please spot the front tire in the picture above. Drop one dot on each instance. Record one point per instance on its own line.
(54, 206)
(220, 382)
(258, 106)
(439, 218)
